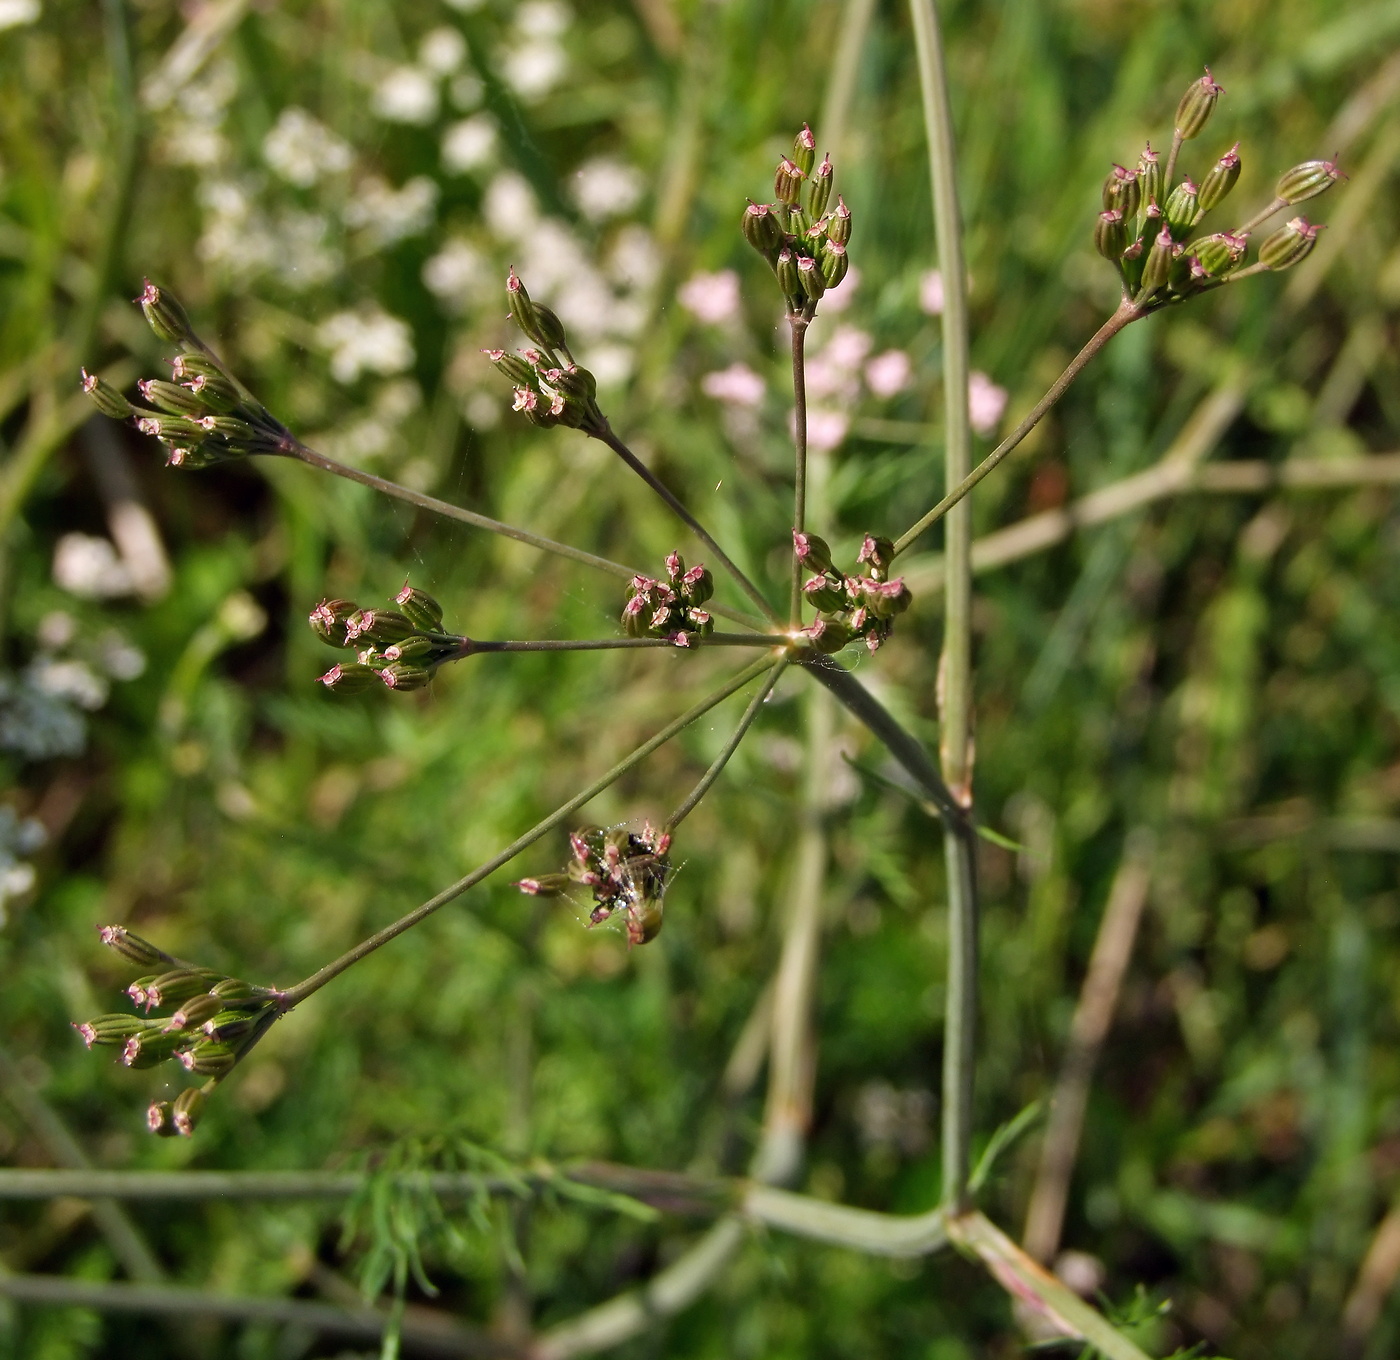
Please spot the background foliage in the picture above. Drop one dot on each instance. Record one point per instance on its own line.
(1221, 669)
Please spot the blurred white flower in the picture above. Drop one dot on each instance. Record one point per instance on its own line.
(610, 364)
(366, 341)
(57, 629)
(534, 68)
(543, 18)
(16, 879)
(386, 214)
(847, 348)
(839, 298)
(586, 305)
(552, 258)
(121, 659)
(13, 13)
(189, 143)
(458, 275)
(482, 410)
(634, 261)
(301, 149)
(737, 385)
(712, 298)
(406, 95)
(300, 255)
(466, 91)
(89, 568)
(985, 402)
(604, 188)
(465, 6)
(75, 681)
(888, 373)
(826, 430)
(442, 50)
(469, 144)
(509, 206)
(931, 292)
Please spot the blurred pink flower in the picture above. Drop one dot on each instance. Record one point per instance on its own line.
(738, 385)
(985, 402)
(888, 373)
(931, 292)
(825, 429)
(713, 298)
(847, 348)
(839, 298)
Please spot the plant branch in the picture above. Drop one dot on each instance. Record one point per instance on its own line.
(798, 324)
(1169, 174)
(720, 761)
(471, 646)
(652, 480)
(1124, 316)
(295, 995)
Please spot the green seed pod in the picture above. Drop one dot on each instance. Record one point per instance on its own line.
(515, 368)
(166, 317)
(137, 990)
(159, 1119)
(378, 626)
(878, 551)
(405, 675)
(106, 397)
(822, 595)
(1289, 245)
(178, 985)
(699, 621)
(230, 1026)
(352, 678)
(810, 276)
(1196, 106)
(411, 649)
(1110, 235)
(1157, 265)
(330, 621)
(1132, 265)
(788, 279)
(804, 150)
(1307, 180)
(838, 226)
(829, 634)
(132, 947)
(194, 1012)
(812, 551)
(522, 310)
(820, 193)
(577, 384)
(1182, 271)
(153, 1046)
(787, 182)
(546, 885)
(697, 585)
(169, 397)
(1219, 253)
(644, 919)
(1122, 191)
(235, 989)
(1181, 209)
(1221, 179)
(761, 229)
(109, 1031)
(209, 1059)
(216, 392)
(549, 330)
(419, 608)
(1149, 173)
(834, 263)
(173, 429)
(185, 1113)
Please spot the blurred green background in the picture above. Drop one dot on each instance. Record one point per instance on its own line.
(335, 190)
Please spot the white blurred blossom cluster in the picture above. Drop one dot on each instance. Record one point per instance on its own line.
(19, 838)
(15, 13)
(367, 340)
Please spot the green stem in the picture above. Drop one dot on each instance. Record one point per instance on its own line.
(732, 745)
(652, 480)
(295, 995)
(1262, 215)
(1170, 172)
(471, 646)
(798, 325)
(1125, 315)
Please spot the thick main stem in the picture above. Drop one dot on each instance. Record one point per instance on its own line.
(798, 326)
(698, 529)
(1125, 314)
(317, 980)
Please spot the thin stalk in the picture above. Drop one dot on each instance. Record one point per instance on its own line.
(955, 667)
(720, 761)
(474, 645)
(295, 995)
(652, 480)
(1262, 215)
(1125, 315)
(1170, 172)
(798, 326)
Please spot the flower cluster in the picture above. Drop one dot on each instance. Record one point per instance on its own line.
(1147, 226)
(204, 416)
(670, 609)
(851, 606)
(214, 1020)
(626, 871)
(398, 648)
(804, 244)
(550, 388)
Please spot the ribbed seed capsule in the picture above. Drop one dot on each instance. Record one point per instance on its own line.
(1221, 179)
(1196, 106)
(352, 678)
(788, 279)
(517, 371)
(813, 285)
(378, 626)
(1290, 244)
(1180, 211)
(330, 620)
(170, 397)
(821, 594)
(1149, 177)
(838, 226)
(1122, 191)
(215, 392)
(1158, 264)
(787, 182)
(834, 263)
(410, 649)
(419, 608)
(761, 229)
(109, 1031)
(165, 316)
(812, 550)
(152, 1046)
(185, 1113)
(405, 675)
(546, 885)
(209, 1059)
(1110, 235)
(158, 1119)
(196, 1011)
(179, 984)
(804, 150)
(1218, 254)
(230, 1026)
(1307, 180)
(820, 193)
(549, 330)
(131, 946)
(106, 397)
